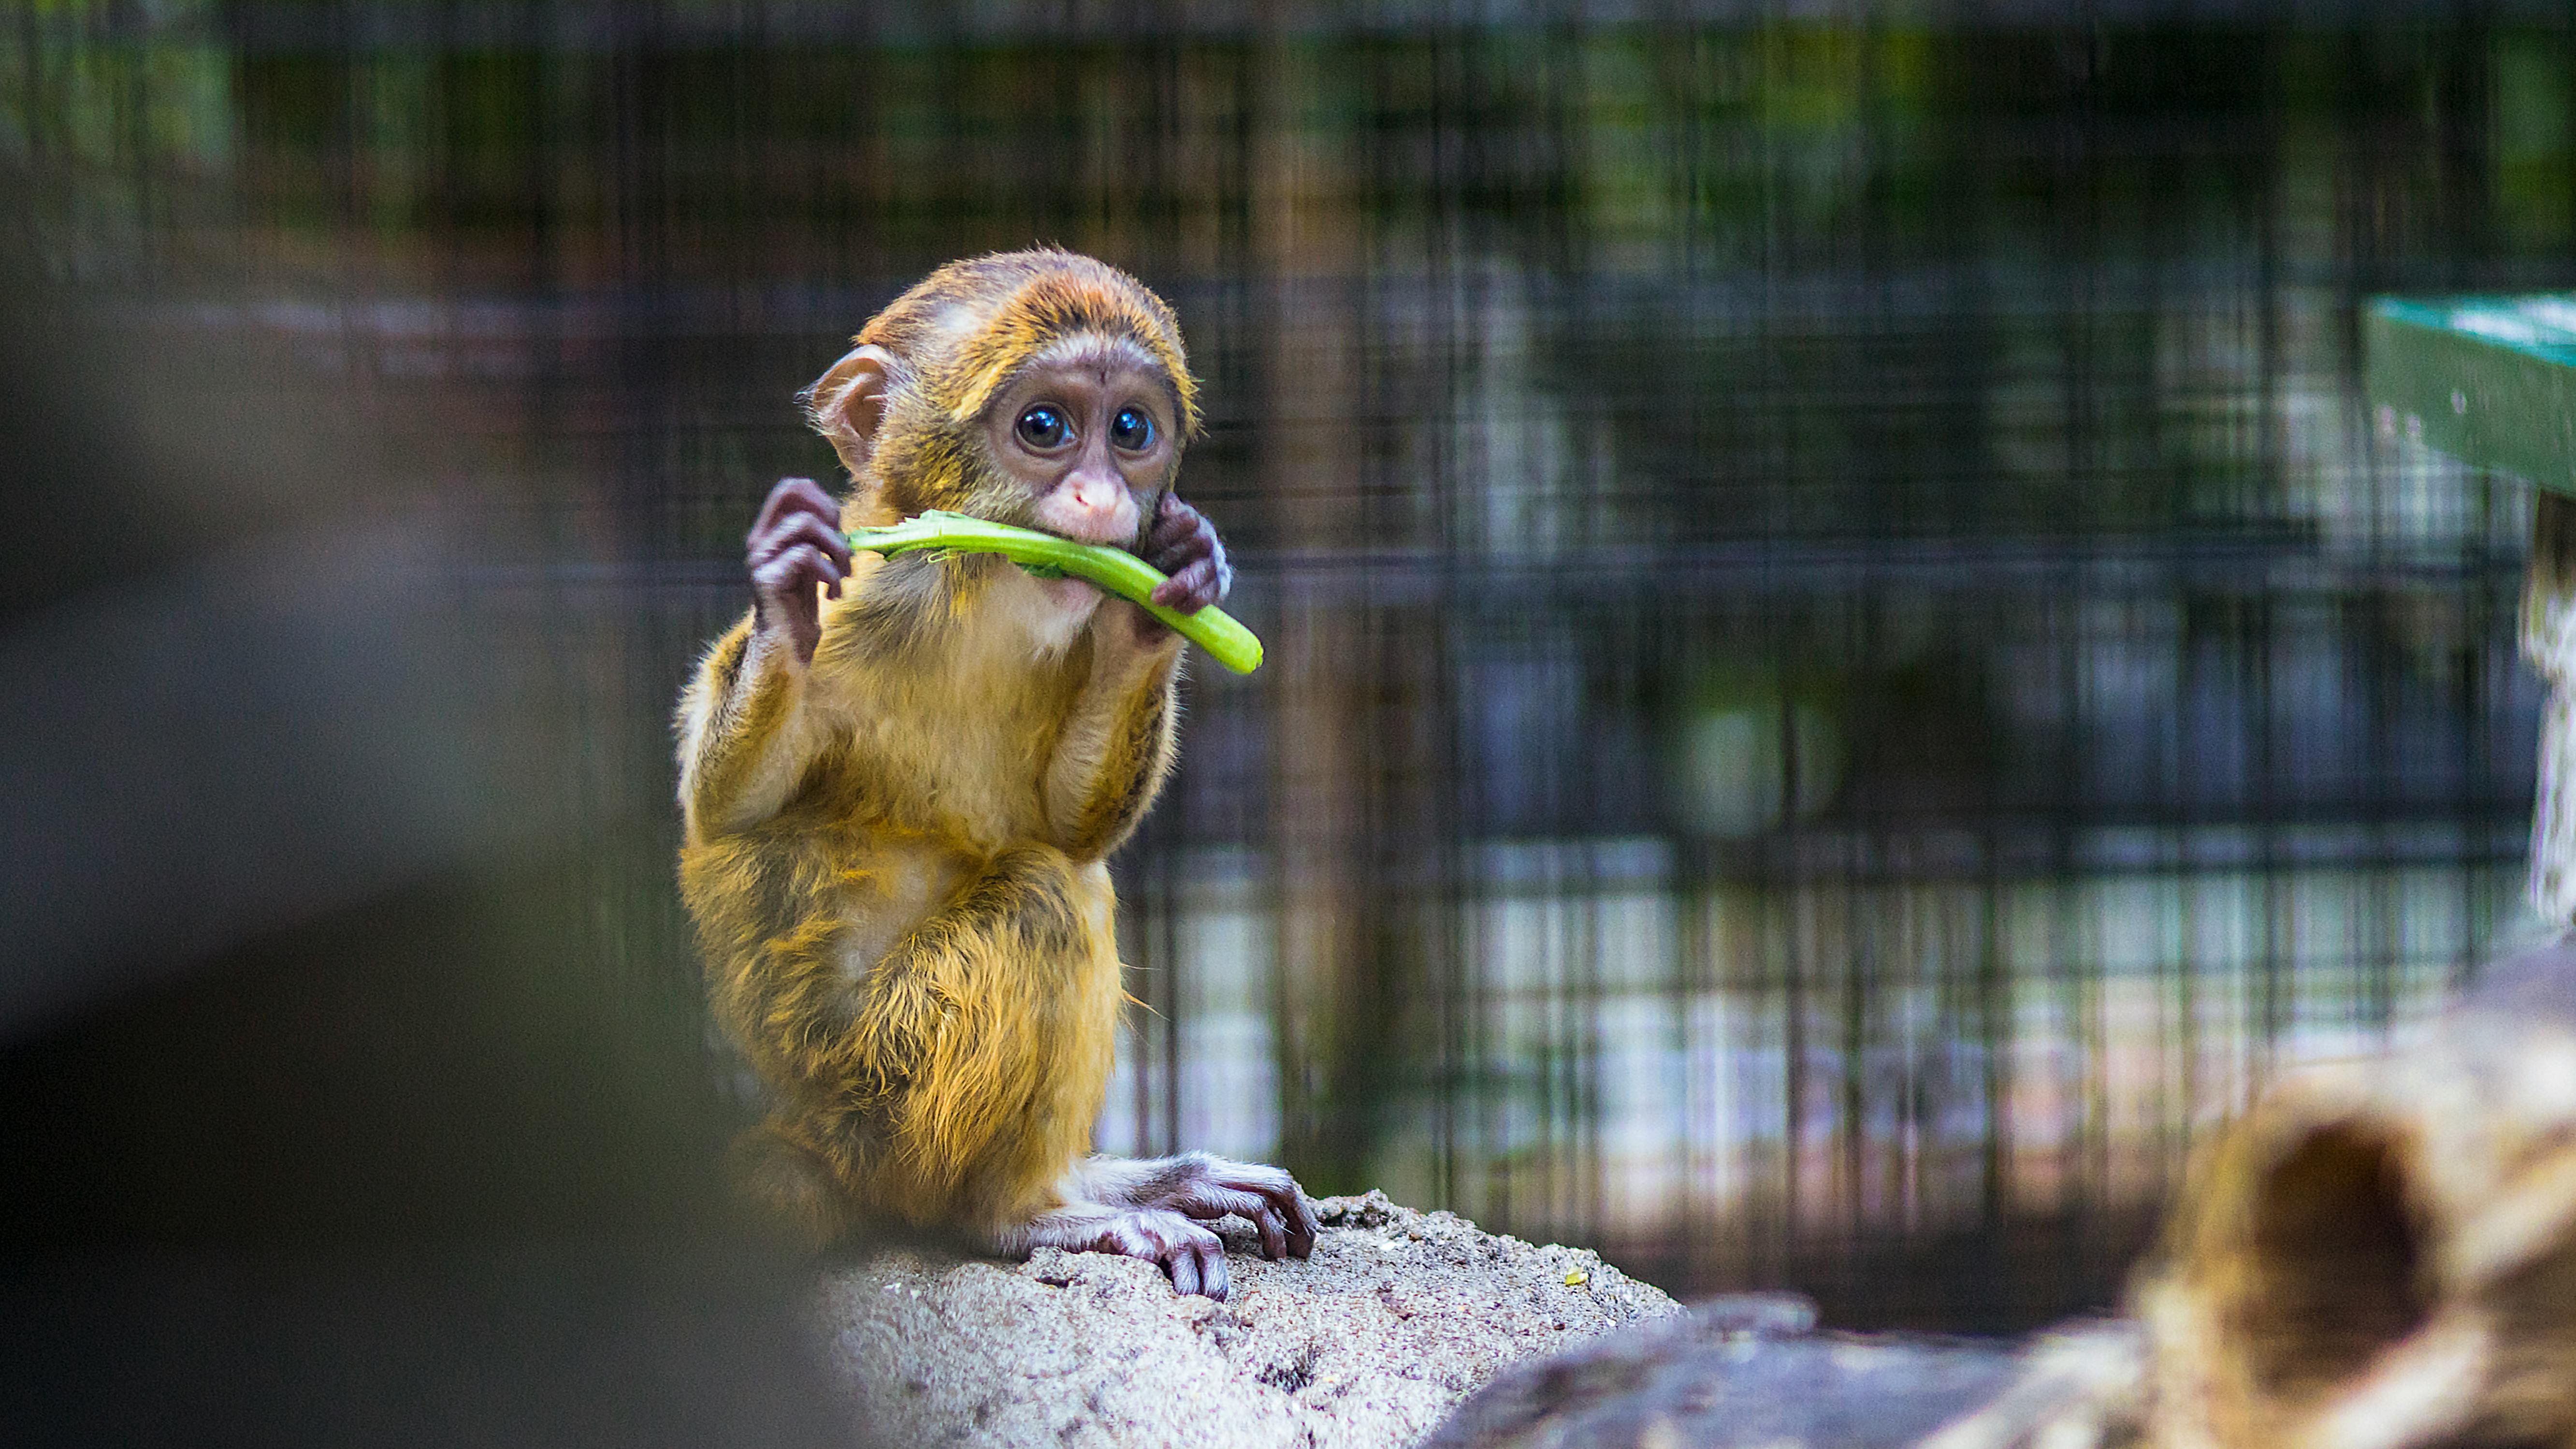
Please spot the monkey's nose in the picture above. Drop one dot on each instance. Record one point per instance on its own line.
(1098, 510)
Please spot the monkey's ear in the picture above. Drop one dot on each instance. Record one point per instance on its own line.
(847, 403)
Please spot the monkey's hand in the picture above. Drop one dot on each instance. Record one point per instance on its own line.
(1184, 544)
(1207, 1187)
(794, 545)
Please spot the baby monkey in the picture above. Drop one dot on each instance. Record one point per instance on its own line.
(900, 779)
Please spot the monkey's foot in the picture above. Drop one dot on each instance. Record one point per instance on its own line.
(1207, 1187)
(1193, 1257)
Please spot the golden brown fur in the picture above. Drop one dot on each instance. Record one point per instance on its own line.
(899, 894)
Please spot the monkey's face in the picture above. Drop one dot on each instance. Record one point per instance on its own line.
(1085, 437)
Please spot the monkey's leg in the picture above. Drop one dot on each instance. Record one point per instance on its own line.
(1190, 1254)
(951, 1082)
(1204, 1186)
(744, 736)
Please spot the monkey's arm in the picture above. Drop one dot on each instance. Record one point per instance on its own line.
(745, 738)
(1116, 744)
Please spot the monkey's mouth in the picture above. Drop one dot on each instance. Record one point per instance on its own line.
(1043, 572)
(1125, 542)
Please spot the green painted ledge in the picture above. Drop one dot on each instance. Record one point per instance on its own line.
(2489, 380)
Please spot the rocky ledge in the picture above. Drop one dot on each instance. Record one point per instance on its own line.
(1397, 1317)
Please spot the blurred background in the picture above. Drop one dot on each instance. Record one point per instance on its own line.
(1848, 666)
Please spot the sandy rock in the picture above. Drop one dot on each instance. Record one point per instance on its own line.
(1397, 1317)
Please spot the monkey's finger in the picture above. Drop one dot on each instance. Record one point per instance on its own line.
(1179, 556)
(794, 494)
(1208, 550)
(771, 506)
(1175, 522)
(1191, 589)
(802, 528)
(1183, 1264)
(1212, 1201)
(1296, 1215)
(1175, 517)
(804, 495)
(1259, 1211)
(1194, 581)
(1282, 1203)
(1188, 533)
(1302, 1226)
(805, 563)
(788, 580)
(1186, 550)
(1212, 1274)
(1274, 1233)
(1170, 554)
(1207, 1201)
(776, 579)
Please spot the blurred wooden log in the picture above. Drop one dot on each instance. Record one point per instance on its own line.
(2383, 1254)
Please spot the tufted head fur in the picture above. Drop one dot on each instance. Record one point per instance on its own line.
(957, 339)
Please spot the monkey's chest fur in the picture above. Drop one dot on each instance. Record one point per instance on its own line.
(929, 991)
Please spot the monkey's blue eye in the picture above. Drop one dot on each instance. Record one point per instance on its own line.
(1043, 427)
(1131, 430)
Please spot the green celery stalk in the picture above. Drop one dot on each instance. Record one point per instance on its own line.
(1114, 569)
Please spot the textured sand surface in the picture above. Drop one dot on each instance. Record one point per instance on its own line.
(1397, 1317)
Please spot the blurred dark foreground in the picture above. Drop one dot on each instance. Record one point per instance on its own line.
(323, 1125)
